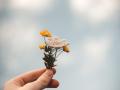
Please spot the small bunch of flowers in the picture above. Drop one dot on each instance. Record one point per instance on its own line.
(52, 47)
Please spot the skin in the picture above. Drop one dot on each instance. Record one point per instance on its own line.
(34, 80)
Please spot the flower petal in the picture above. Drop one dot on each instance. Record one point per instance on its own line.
(45, 33)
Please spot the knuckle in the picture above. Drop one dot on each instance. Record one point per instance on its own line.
(44, 81)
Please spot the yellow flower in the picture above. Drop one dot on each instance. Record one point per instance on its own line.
(66, 49)
(46, 33)
(42, 46)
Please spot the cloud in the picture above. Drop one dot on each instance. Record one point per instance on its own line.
(31, 5)
(96, 48)
(95, 10)
(1, 4)
(92, 53)
(19, 39)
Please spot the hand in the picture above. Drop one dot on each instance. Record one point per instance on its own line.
(33, 80)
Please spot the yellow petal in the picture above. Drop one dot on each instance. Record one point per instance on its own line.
(66, 49)
(42, 46)
(45, 33)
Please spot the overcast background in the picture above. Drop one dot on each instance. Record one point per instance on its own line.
(91, 26)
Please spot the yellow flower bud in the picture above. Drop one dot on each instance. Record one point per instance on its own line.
(42, 46)
(66, 49)
(46, 33)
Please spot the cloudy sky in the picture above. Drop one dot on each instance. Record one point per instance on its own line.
(91, 27)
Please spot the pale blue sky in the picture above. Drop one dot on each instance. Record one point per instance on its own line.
(91, 27)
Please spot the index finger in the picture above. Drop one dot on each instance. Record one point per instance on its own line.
(28, 77)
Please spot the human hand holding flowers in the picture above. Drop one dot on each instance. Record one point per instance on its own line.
(33, 80)
(41, 78)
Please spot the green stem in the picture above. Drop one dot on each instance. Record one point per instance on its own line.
(45, 41)
(56, 53)
(59, 54)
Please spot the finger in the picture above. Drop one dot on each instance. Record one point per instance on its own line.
(54, 70)
(53, 84)
(43, 81)
(28, 77)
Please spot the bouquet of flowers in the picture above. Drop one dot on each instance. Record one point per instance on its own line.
(52, 48)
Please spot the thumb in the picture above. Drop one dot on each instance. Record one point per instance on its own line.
(43, 81)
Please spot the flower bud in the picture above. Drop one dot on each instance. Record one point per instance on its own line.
(45, 33)
(66, 49)
(42, 46)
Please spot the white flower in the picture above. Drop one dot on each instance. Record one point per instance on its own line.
(56, 42)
